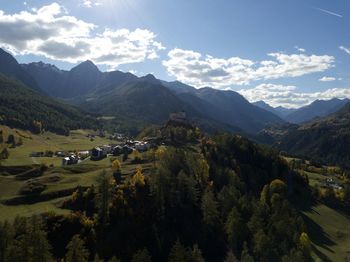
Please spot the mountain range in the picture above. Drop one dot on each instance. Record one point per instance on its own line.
(140, 101)
(326, 139)
(147, 100)
(280, 111)
(317, 109)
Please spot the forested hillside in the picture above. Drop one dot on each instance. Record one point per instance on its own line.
(326, 140)
(25, 108)
(224, 198)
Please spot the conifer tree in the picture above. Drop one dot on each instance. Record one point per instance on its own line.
(178, 253)
(104, 195)
(209, 208)
(76, 252)
(141, 256)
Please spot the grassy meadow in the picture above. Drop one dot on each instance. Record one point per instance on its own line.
(329, 230)
(329, 227)
(76, 141)
(59, 181)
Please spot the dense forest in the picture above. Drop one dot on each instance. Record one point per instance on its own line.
(325, 140)
(222, 199)
(25, 108)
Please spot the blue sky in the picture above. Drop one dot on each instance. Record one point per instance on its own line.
(287, 52)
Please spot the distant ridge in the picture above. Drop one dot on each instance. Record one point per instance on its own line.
(326, 139)
(25, 108)
(319, 108)
(10, 68)
(279, 111)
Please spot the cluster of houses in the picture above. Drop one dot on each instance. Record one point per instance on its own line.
(100, 152)
(330, 183)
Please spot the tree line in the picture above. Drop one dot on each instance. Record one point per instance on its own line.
(225, 199)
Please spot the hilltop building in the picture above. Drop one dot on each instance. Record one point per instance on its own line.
(179, 117)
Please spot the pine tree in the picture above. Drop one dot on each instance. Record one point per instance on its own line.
(5, 240)
(209, 208)
(141, 256)
(41, 246)
(265, 195)
(178, 253)
(103, 197)
(196, 254)
(245, 256)
(76, 252)
(234, 229)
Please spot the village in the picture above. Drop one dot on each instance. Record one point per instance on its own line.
(121, 144)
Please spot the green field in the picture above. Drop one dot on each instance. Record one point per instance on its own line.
(76, 141)
(329, 229)
(10, 212)
(330, 233)
(57, 178)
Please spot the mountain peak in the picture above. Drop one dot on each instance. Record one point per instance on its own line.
(11, 68)
(150, 78)
(262, 103)
(87, 65)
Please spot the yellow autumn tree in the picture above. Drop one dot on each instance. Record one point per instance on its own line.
(116, 166)
(278, 186)
(305, 242)
(160, 152)
(138, 179)
(137, 157)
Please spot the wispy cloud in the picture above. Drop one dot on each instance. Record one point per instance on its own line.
(328, 12)
(347, 50)
(90, 3)
(327, 79)
(290, 96)
(303, 50)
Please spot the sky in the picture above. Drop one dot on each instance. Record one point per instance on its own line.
(287, 53)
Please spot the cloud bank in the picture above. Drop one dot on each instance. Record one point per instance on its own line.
(50, 32)
(288, 96)
(200, 70)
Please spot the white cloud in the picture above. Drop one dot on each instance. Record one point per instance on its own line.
(196, 69)
(90, 3)
(288, 96)
(345, 49)
(327, 79)
(50, 32)
(300, 49)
